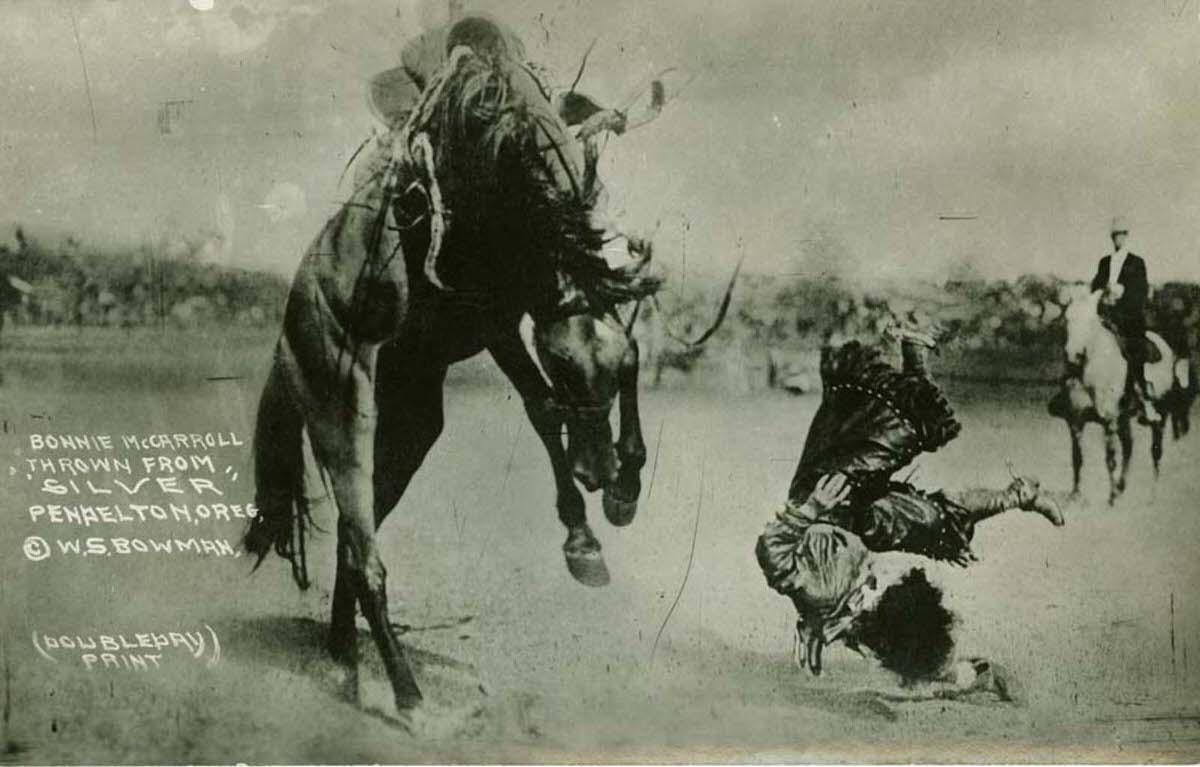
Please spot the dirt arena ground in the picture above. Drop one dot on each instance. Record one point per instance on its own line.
(521, 663)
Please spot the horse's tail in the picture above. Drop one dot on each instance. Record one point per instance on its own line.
(283, 517)
(1184, 378)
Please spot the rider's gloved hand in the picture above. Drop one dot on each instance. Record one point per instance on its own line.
(831, 491)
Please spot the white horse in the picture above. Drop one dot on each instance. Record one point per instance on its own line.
(1094, 390)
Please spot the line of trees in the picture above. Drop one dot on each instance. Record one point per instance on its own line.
(772, 314)
(75, 285)
(789, 318)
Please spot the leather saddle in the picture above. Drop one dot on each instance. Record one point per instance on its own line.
(1150, 351)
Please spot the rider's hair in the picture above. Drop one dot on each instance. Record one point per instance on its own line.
(909, 630)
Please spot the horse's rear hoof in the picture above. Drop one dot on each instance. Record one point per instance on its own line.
(406, 703)
(344, 681)
(428, 721)
(617, 510)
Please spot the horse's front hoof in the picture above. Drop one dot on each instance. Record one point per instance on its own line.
(619, 511)
(585, 562)
(588, 569)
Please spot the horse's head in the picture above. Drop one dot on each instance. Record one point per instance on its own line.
(591, 359)
(585, 357)
(1083, 321)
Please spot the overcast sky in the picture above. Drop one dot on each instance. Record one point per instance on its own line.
(830, 135)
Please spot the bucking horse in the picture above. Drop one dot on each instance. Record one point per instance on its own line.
(468, 217)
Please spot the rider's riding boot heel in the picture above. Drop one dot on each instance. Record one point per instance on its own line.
(1026, 494)
(1022, 493)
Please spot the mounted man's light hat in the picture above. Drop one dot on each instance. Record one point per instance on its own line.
(1119, 226)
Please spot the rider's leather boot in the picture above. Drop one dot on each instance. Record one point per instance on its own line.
(1023, 493)
(916, 340)
(1149, 414)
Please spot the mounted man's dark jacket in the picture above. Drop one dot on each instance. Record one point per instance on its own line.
(1129, 312)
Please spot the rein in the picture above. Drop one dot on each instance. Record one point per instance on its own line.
(417, 149)
(707, 334)
(587, 413)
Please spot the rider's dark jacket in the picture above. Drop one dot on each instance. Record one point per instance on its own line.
(1129, 312)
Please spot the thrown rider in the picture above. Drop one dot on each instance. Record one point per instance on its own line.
(843, 507)
(1122, 276)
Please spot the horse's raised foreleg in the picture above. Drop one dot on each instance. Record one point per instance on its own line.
(621, 497)
(569, 503)
(581, 549)
(1111, 447)
(1076, 456)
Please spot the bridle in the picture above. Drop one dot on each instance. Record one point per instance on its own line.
(579, 412)
(575, 303)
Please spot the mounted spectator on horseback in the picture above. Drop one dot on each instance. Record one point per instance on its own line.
(1123, 278)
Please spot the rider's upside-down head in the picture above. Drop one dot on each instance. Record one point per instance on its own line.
(908, 629)
(837, 596)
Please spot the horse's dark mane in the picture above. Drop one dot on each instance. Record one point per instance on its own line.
(511, 226)
(613, 286)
